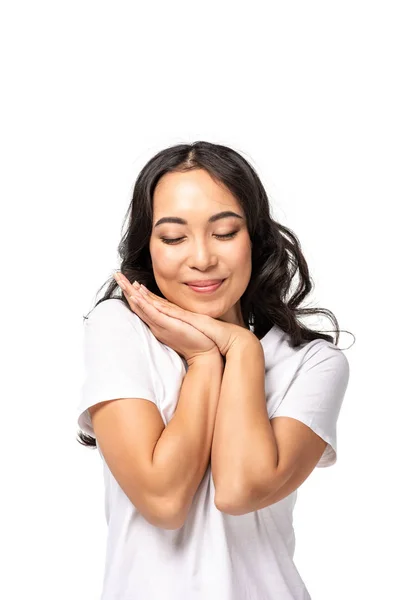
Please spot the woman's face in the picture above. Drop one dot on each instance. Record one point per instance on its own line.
(199, 254)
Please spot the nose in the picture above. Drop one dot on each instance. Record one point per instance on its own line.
(202, 256)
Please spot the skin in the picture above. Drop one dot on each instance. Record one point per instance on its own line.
(199, 254)
(195, 196)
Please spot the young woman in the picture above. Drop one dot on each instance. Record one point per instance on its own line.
(208, 400)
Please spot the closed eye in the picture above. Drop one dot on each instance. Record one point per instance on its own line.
(226, 236)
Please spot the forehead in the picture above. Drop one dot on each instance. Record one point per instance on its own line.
(191, 192)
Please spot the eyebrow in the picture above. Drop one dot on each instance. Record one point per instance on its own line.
(216, 217)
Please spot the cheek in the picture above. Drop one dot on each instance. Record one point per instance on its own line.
(163, 263)
(241, 268)
(240, 257)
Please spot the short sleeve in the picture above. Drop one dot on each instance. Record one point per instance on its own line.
(115, 365)
(316, 394)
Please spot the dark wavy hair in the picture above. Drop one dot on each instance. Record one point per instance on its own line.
(276, 251)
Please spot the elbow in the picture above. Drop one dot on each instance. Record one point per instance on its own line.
(168, 516)
(240, 502)
(171, 522)
(230, 504)
(172, 513)
(235, 510)
(221, 504)
(163, 513)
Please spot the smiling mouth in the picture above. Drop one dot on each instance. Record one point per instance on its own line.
(206, 289)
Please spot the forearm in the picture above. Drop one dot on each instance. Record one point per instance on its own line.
(182, 453)
(244, 448)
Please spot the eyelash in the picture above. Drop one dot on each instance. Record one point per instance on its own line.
(226, 236)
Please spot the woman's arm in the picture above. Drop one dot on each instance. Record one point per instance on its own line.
(244, 448)
(182, 454)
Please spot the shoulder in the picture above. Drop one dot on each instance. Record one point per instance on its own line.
(308, 354)
(113, 318)
(325, 361)
(320, 351)
(112, 310)
(315, 355)
(111, 306)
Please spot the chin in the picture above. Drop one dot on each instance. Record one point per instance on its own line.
(214, 313)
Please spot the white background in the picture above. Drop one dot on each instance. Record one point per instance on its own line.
(309, 93)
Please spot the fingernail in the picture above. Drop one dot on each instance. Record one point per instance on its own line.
(144, 289)
(136, 285)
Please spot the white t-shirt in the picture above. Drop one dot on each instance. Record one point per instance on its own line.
(213, 555)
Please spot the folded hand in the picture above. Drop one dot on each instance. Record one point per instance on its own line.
(224, 335)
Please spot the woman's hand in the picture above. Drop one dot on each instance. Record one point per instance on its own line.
(182, 337)
(224, 335)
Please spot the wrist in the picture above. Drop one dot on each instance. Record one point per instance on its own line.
(209, 359)
(244, 343)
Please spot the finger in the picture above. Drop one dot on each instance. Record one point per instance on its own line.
(130, 291)
(143, 289)
(137, 304)
(139, 301)
(203, 323)
(125, 284)
(141, 297)
(174, 311)
(152, 315)
(136, 301)
(140, 291)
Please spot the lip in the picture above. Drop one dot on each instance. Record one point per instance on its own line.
(208, 288)
(203, 282)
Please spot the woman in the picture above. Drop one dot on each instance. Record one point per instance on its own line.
(208, 400)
